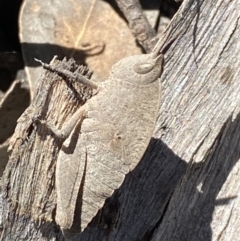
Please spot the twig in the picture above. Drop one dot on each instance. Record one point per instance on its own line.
(138, 23)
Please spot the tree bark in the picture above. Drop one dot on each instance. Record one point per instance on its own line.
(186, 185)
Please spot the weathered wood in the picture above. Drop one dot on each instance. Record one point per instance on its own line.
(29, 179)
(201, 115)
(186, 185)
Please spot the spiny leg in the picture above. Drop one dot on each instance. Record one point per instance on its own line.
(82, 79)
(67, 128)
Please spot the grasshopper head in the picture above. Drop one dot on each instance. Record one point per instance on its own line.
(139, 69)
(143, 69)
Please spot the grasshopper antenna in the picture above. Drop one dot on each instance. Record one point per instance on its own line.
(164, 44)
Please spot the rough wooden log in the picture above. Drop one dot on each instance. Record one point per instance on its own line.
(185, 187)
(29, 197)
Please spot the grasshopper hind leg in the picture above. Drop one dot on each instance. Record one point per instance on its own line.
(67, 128)
(78, 77)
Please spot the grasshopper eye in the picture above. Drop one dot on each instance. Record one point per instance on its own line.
(143, 68)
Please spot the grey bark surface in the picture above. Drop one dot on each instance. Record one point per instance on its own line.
(186, 185)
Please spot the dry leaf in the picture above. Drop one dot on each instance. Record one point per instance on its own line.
(70, 28)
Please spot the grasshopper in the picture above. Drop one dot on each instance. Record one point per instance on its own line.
(114, 130)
